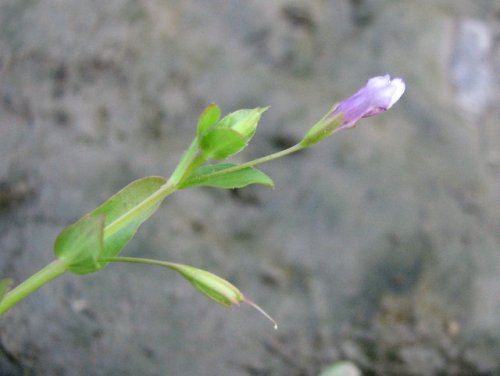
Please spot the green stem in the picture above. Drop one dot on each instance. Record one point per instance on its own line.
(33, 283)
(189, 161)
(256, 162)
(180, 268)
(141, 260)
(58, 267)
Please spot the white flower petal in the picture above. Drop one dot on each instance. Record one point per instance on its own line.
(379, 81)
(399, 88)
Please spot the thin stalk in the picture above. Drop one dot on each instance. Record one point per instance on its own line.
(33, 283)
(180, 268)
(141, 260)
(189, 160)
(255, 162)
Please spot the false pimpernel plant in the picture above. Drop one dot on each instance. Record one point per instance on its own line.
(97, 239)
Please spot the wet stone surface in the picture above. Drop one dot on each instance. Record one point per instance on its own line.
(379, 245)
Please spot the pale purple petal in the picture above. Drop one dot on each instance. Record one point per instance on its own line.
(378, 95)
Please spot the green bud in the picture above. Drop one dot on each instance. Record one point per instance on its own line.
(216, 288)
(243, 121)
(211, 285)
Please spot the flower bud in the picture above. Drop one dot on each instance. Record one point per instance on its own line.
(216, 288)
(211, 285)
(243, 121)
(377, 96)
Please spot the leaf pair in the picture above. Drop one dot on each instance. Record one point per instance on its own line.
(220, 139)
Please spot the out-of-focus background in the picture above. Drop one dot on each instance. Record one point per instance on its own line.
(381, 245)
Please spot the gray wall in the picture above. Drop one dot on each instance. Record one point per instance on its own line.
(380, 245)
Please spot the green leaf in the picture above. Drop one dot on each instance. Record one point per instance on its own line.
(220, 143)
(81, 244)
(5, 284)
(204, 176)
(122, 215)
(207, 119)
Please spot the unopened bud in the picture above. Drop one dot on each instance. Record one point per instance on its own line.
(211, 285)
(377, 96)
(216, 288)
(243, 121)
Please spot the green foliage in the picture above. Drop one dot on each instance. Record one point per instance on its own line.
(207, 119)
(220, 140)
(220, 143)
(97, 239)
(80, 244)
(107, 229)
(213, 175)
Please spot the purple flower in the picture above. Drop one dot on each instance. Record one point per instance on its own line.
(378, 95)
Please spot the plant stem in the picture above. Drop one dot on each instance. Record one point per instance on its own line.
(140, 260)
(270, 157)
(33, 283)
(188, 162)
(180, 268)
(256, 162)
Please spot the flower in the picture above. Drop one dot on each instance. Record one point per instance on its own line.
(378, 95)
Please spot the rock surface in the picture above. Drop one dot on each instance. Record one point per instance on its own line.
(379, 246)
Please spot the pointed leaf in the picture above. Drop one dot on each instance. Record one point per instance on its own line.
(123, 213)
(207, 119)
(205, 176)
(220, 143)
(122, 209)
(81, 244)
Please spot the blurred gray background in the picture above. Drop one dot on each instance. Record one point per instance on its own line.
(380, 245)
